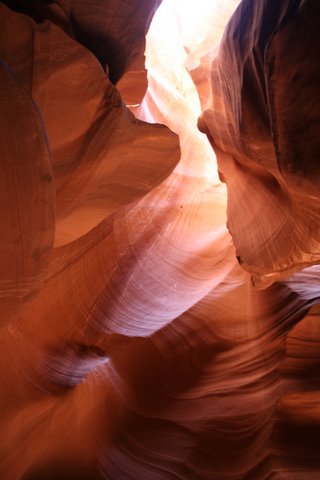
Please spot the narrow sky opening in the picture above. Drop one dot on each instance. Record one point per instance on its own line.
(183, 37)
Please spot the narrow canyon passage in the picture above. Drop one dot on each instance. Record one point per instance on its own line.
(160, 240)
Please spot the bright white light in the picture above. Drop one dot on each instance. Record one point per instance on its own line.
(182, 36)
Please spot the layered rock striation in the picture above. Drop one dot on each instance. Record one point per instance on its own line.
(157, 325)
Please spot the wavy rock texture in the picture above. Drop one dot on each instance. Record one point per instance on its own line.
(133, 344)
(263, 124)
(88, 169)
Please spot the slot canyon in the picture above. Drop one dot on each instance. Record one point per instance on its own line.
(160, 239)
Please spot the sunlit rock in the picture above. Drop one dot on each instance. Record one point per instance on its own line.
(136, 346)
(263, 124)
(102, 157)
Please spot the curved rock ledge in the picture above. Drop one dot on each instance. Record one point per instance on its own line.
(136, 340)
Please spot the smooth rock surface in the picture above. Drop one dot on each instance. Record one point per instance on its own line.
(133, 344)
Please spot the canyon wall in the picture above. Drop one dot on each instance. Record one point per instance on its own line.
(159, 282)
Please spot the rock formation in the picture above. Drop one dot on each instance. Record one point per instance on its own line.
(157, 324)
